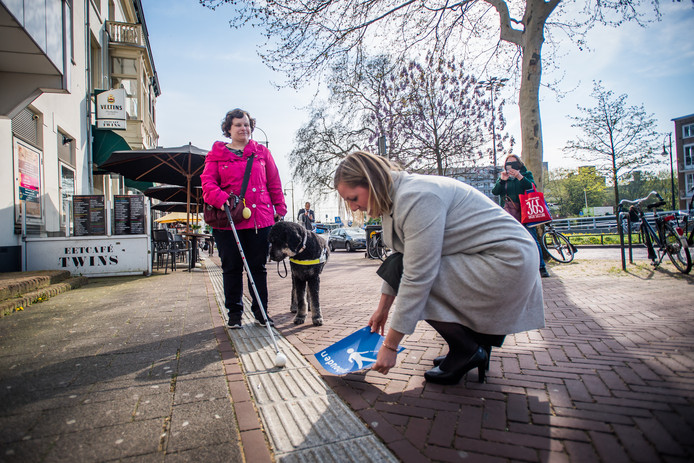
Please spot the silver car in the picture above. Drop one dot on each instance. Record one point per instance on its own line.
(348, 239)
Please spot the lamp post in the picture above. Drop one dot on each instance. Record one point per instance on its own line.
(267, 143)
(285, 193)
(492, 85)
(672, 170)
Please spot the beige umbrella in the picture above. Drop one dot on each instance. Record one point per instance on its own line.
(175, 217)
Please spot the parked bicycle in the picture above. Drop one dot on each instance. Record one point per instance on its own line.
(375, 247)
(667, 237)
(557, 245)
(686, 221)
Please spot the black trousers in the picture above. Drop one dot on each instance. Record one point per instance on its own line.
(255, 248)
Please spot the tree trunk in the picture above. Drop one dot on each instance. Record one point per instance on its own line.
(614, 179)
(530, 40)
(529, 103)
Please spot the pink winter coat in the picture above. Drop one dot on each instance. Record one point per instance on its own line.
(223, 174)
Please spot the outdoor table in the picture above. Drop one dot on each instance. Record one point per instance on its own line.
(194, 246)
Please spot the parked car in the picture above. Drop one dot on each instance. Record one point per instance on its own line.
(348, 239)
(320, 227)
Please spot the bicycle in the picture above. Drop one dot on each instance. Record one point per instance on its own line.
(666, 238)
(688, 220)
(375, 247)
(557, 245)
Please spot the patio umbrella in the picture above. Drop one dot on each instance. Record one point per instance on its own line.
(171, 206)
(178, 217)
(179, 165)
(174, 193)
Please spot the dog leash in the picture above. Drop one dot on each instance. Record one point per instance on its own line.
(284, 261)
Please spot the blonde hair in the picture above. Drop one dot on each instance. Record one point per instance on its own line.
(371, 171)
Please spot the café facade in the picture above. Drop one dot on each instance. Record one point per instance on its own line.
(79, 82)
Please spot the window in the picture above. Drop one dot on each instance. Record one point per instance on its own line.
(689, 157)
(124, 75)
(130, 86)
(688, 182)
(688, 131)
(124, 66)
(95, 63)
(67, 191)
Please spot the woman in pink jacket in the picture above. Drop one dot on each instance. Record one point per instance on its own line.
(225, 166)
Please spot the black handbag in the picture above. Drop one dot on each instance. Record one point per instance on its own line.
(391, 270)
(217, 218)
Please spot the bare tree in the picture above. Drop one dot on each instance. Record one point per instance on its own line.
(619, 139)
(434, 118)
(304, 38)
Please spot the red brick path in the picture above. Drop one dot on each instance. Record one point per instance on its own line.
(609, 379)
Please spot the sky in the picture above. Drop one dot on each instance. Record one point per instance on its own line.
(206, 68)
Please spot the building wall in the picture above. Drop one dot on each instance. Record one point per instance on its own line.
(684, 146)
(65, 124)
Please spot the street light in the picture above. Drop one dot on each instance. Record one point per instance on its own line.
(672, 171)
(493, 85)
(267, 143)
(285, 194)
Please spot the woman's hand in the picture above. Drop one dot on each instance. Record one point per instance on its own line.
(385, 360)
(378, 320)
(504, 176)
(387, 354)
(515, 174)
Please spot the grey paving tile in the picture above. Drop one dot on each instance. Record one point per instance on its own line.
(207, 421)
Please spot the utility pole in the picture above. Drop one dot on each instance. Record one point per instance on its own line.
(493, 85)
(672, 171)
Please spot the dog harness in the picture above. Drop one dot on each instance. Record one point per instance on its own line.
(320, 260)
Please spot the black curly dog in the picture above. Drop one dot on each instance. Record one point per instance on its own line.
(307, 254)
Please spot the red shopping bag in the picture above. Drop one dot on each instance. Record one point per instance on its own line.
(534, 210)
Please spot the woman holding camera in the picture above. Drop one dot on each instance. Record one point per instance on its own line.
(225, 169)
(456, 252)
(513, 181)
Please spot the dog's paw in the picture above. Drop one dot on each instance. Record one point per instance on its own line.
(299, 320)
(318, 321)
(293, 309)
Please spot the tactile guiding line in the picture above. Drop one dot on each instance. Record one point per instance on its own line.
(304, 419)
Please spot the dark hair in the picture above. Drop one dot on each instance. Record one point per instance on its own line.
(517, 159)
(235, 114)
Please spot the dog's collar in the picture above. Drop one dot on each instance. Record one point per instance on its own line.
(303, 243)
(320, 260)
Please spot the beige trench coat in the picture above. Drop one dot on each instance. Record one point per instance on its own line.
(466, 260)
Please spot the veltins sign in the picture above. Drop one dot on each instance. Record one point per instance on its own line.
(110, 109)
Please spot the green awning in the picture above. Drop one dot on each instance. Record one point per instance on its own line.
(105, 143)
(142, 186)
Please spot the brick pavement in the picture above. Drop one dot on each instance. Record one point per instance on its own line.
(609, 378)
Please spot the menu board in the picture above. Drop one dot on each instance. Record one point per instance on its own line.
(129, 215)
(89, 215)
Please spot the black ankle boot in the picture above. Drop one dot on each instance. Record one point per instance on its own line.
(477, 360)
(438, 360)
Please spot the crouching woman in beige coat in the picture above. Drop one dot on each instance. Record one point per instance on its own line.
(459, 253)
